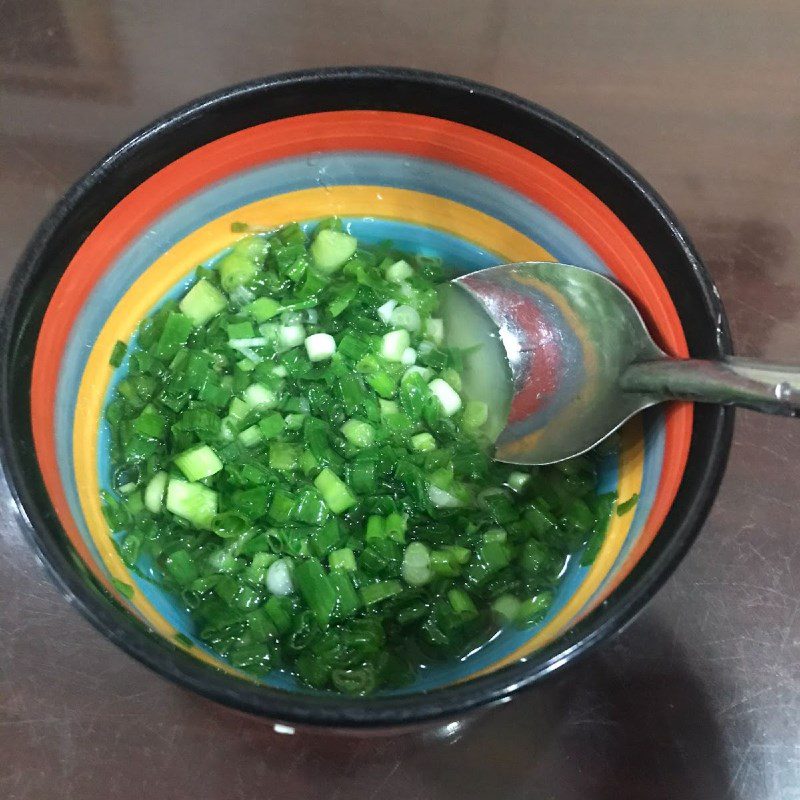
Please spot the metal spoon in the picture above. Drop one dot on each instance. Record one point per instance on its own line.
(580, 361)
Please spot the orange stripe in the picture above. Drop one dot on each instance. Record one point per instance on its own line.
(411, 134)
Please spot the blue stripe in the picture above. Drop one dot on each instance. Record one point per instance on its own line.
(341, 169)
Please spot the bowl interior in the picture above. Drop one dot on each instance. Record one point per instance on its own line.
(429, 185)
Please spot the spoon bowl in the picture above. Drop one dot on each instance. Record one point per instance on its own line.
(581, 361)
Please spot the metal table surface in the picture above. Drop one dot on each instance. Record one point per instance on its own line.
(700, 697)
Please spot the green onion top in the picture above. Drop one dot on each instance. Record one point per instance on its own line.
(291, 448)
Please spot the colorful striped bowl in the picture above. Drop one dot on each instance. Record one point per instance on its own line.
(436, 164)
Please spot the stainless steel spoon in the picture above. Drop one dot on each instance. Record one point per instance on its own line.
(580, 361)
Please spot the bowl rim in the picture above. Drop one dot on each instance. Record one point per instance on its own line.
(652, 570)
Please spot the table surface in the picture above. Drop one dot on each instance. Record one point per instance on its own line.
(700, 696)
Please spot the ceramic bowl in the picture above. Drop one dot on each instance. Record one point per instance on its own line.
(437, 164)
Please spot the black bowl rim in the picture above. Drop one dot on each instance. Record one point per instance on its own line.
(332, 710)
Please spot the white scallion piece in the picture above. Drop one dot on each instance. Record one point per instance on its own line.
(406, 317)
(517, 480)
(434, 329)
(409, 357)
(416, 564)
(241, 296)
(279, 577)
(385, 311)
(393, 345)
(320, 346)
(247, 352)
(399, 271)
(258, 341)
(154, 493)
(447, 396)
(259, 396)
(422, 442)
(290, 336)
(442, 499)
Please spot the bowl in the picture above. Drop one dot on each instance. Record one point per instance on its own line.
(437, 164)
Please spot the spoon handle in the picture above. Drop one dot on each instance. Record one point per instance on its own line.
(770, 388)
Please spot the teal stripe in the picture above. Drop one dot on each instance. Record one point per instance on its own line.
(337, 169)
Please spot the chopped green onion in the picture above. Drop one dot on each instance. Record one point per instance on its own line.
(191, 501)
(117, 354)
(476, 413)
(534, 610)
(386, 310)
(279, 577)
(360, 433)
(495, 535)
(272, 425)
(447, 396)
(334, 491)
(258, 396)
(290, 336)
(378, 592)
(263, 309)
(202, 302)
(394, 527)
(441, 498)
(330, 249)
(340, 304)
(293, 458)
(394, 344)
(506, 607)
(154, 493)
(174, 335)
(462, 603)
(317, 589)
(294, 421)
(251, 436)
(320, 346)
(406, 317)
(235, 269)
(198, 462)
(416, 564)
(342, 559)
(423, 372)
(252, 247)
(388, 407)
(283, 456)
(241, 330)
(399, 271)
(374, 528)
(517, 481)
(383, 383)
(434, 330)
(624, 507)
(423, 442)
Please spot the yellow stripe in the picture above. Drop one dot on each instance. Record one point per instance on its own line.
(178, 262)
(631, 466)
